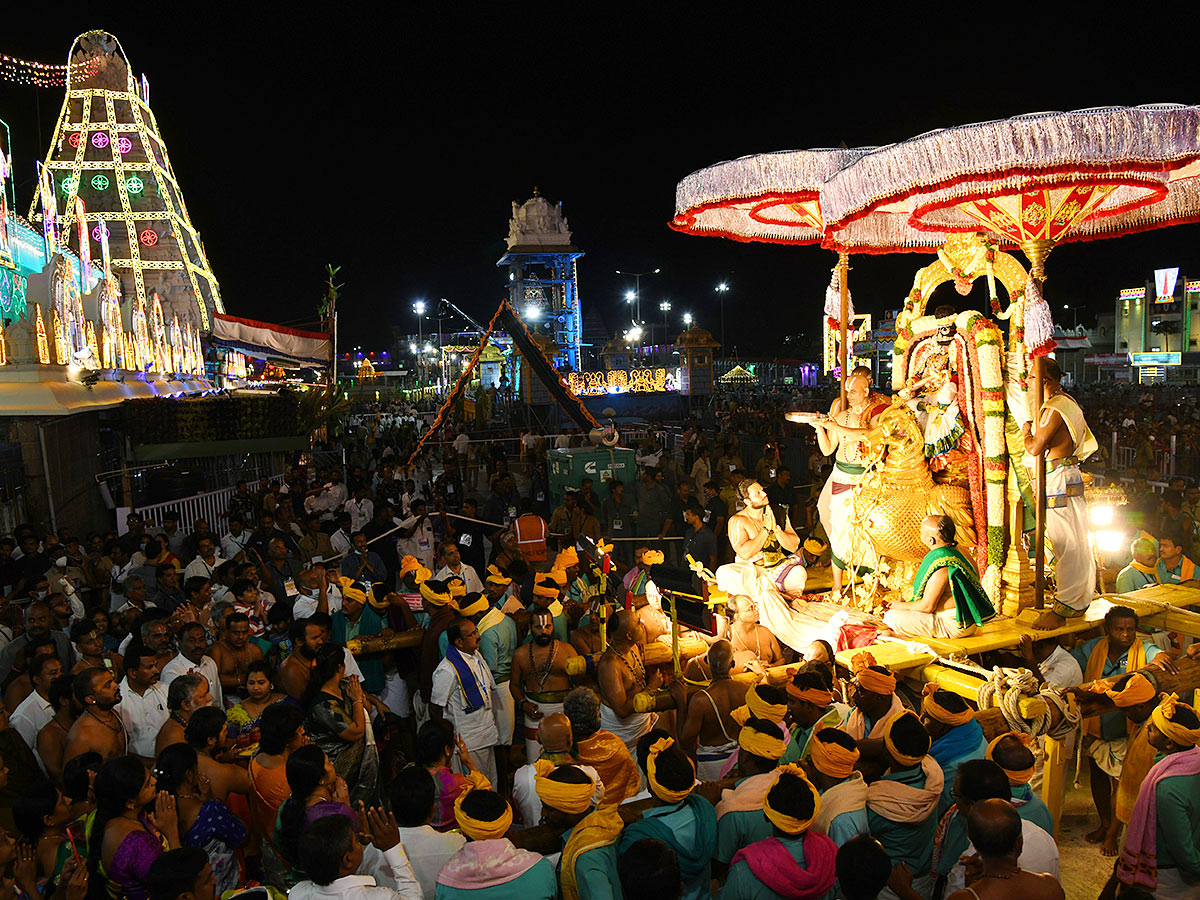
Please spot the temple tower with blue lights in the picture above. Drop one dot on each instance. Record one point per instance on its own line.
(543, 285)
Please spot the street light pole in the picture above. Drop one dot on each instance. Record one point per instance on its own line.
(723, 289)
(637, 281)
(419, 309)
(665, 306)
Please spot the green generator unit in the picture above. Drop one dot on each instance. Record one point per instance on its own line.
(568, 467)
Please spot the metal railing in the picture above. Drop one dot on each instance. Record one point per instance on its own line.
(212, 506)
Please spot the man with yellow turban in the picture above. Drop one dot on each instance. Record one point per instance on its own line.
(810, 708)
(436, 601)
(548, 590)
(683, 820)
(740, 819)
(570, 796)
(489, 867)
(873, 695)
(902, 805)
(956, 735)
(797, 861)
(1106, 738)
(1162, 845)
(1011, 752)
(830, 767)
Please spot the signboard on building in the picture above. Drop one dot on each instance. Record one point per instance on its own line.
(1155, 359)
(1107, 360)
(1164, 284)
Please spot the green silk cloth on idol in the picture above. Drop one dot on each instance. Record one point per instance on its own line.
(971, 605)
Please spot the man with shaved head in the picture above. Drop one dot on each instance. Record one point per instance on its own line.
(709, 734)
(995, 830)
(556, 740)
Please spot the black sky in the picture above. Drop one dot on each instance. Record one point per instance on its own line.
(393, 143)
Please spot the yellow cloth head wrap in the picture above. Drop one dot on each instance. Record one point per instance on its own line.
(785, 823)
(1162, 716)
(476, 607)
(566, 559)
(457, 587)
(569, 798)
(939, 713)
(476, 829)
(559, 576)
(497, 577)
(901, 758)
(546, 585)
(378, 598)
(437, 599)
(354, 590)
(653, 558)
(1016, 777)
(409, 564)
(868, 678)
(831, 759)
(659, 791)
(1138, 689)
(760, 744)
(815, 547)
(758, 708)
(815, 696)
(603, 548)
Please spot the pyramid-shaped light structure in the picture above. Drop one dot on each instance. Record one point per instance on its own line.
(107, 150)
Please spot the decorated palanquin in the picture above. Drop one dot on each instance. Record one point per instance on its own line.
(943, 445)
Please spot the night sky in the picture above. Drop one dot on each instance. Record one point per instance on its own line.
(393, 144)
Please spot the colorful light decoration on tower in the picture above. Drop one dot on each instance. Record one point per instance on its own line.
(124, 145)
(100, 140)
(49, 210)
(149, 237)
(6, 258)
(43, 345)
(100, 182)
(85, 245)
(134, 185)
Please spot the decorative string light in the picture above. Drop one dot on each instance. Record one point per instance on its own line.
(43, 75)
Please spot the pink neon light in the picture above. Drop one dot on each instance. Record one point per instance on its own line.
(100, 140)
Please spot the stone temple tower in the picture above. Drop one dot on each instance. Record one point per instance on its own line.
(108, 152)
(543, 286)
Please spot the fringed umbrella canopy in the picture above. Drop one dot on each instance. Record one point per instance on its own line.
(737, 375)
(1058, 177)
(773, 198)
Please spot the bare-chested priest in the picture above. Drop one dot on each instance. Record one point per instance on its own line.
(838, 434)
(771, 547)
(621, 673)
(709, 734)
(539, 680)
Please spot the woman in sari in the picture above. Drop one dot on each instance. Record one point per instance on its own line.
(436, 744)
(203, 822)
(316, 791)
(280, 736)
(246, 717)
(337, 723)
(122, 839)
(43, 814)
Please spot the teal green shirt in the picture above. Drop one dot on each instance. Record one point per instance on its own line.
(596, 872)
(1031, 808)
(797, 748)
(1130, 579)
(950, 770)
(907, 842)
(849, 825)
(1177, 829)
(497, 646)
(737, 829)
(743, 885)
(538, 883)
(1112, 725)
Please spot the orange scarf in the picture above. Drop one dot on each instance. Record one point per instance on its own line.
(1136, 659)
(1139, 759)
(608, 755)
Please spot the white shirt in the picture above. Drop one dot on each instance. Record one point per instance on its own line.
(428, 851)
(1039, 854)
(361, 512)
(466, 572)
(525, 798)
(304, 606)
(460, 443)
(340, 542)
(1061, 670)
(207, 667)
(142, 716)
(420, 544)
(231, 546)
(30, 717)
(364, 887)
(478, 728)
(198, 568)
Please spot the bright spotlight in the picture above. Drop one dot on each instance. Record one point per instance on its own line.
(533, 313)
(1110, 541)
(419, 307)
(1101, 515)
(630, 296)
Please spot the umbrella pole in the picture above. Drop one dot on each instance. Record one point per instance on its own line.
(1036, 252)
(843, 275)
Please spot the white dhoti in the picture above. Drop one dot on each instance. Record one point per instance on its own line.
(395, 695)
(484, 758)
(630, 728)
(546, 706)
(836, 508)
(505, 710)
(1068, 532)
(941, 624)
(1109, 755)
(710, 761)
